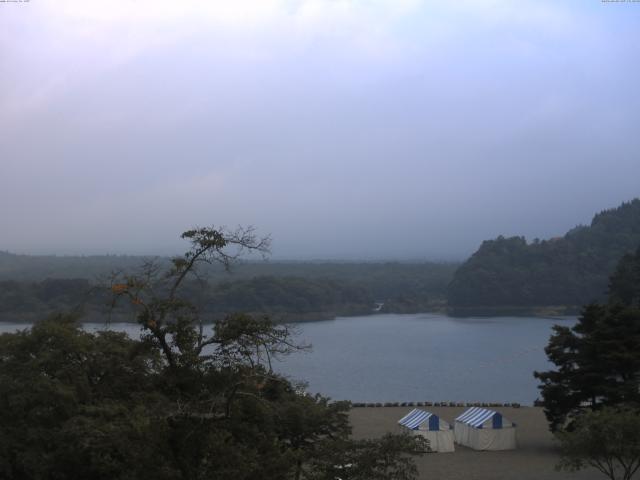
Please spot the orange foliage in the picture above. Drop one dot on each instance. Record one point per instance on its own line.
(119, 288)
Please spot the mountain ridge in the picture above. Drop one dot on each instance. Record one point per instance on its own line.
(568, 271)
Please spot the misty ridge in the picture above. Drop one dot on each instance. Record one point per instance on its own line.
(32, 286)
(504, 276)
(417, 133)
(562, 272)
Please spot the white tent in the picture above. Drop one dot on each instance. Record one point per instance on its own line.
(483, 429)
(431, 427)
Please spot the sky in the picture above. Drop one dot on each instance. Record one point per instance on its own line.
(345, 129)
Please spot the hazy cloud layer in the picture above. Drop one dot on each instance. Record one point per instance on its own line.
(367, 129)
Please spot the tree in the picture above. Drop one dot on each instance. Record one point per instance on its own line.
(598, 363)
(607, 439)
(176, 404)
(78, 404)
(564, 271)
(168, 319)
(379, 459)
(624, 284)
(598, 359)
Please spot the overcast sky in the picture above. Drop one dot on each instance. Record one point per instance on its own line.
(360, 129)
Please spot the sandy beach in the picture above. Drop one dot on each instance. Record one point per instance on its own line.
(534, 459)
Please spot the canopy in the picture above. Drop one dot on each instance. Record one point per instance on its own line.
(438, 432)
(417, 418)
(476, 417)
(483, 429)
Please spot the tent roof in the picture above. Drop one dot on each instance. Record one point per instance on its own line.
(476, 416)
(415, 418)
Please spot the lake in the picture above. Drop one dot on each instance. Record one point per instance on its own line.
(420, 357)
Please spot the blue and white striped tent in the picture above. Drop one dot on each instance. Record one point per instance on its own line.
(430, 426)
(484, 429)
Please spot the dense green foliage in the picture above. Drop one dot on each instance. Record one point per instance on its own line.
(598, 359)
(174, 404)
(607, 439)
(27, 300)
(287, 291)
(572, 270)
(289, 295)
(77, 405)
(32, 268)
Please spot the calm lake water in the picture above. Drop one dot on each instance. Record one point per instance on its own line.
(422, 357)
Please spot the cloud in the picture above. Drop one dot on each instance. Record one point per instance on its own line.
(309, 117)
(72, 41)
(57, 45)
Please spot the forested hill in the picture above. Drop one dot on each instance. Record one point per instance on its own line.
(566, 271)
(32, 287)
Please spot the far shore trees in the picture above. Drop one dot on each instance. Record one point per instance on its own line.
(561, 272)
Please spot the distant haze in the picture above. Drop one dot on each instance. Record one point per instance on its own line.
(390, 129)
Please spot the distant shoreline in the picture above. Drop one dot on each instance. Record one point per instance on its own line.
(543, 311)
(464, 312)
